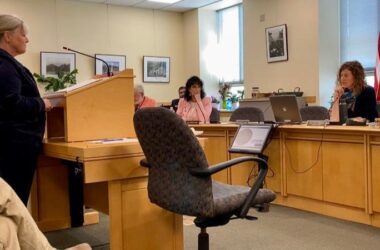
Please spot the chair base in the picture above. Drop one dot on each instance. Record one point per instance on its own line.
(203, 240)
(263, 208)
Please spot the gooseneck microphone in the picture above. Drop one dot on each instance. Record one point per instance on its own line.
(105, 63)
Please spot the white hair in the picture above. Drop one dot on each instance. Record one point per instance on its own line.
(139, 89)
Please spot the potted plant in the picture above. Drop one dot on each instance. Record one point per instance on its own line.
(234, 99)
(215, 102)
(240, 94)
(56, 83)
(224, 91)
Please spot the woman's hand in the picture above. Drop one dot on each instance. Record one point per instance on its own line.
(48, 105)
(338, 92)
(195, 94)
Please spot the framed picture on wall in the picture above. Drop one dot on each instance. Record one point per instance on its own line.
(116, 63)
(156, 69)
(276, 43)
(54, 63)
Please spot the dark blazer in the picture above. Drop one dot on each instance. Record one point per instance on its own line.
(175, 104)
(22, 110)
(365, 105)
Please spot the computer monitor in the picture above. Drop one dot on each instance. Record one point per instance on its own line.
(285, 109)
(251, 138)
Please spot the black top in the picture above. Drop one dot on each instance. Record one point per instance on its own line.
(365, 105)
(22, 110)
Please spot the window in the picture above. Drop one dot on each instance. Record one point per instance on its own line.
(230, 45)
(360, 24)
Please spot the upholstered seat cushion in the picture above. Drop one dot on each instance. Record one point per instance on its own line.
(228, 198)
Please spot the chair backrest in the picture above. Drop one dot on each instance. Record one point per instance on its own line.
(215, 116)
(314, 113)
(247, 113)
(171, 149)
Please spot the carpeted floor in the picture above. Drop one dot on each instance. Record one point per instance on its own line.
(282, 228)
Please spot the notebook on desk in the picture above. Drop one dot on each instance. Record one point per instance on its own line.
(285, 109)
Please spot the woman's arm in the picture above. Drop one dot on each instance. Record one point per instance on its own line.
(371, 108)
(12, 99)
(181, 107)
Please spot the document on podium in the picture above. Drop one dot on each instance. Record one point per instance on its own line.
(72, 87)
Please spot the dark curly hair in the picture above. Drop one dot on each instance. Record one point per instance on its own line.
(357, 71)
(190, 82)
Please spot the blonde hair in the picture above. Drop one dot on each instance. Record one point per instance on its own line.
(10, 23)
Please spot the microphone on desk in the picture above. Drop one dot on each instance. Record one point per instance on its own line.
(105, 63)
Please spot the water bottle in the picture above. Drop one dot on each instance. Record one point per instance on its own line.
(343, 112)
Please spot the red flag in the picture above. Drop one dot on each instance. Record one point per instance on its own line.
(377, 71)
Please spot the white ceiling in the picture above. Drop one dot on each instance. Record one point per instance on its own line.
(181, 6)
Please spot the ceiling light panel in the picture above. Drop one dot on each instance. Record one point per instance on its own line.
(164, 1)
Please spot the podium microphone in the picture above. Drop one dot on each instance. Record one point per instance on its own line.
(105, 63)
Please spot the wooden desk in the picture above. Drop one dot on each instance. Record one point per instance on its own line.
(333, 171)
(114, 184)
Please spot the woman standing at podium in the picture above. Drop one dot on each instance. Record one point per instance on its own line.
(195, 106)
(22, 110)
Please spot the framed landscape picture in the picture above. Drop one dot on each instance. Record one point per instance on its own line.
(53, 63)
(156, 69)
(116, 63)
(276, 43)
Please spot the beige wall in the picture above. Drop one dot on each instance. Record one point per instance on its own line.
(302, 68)
(104, 29)
(313, 41)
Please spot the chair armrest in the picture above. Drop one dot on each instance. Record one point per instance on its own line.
(144, 163)
(223, 165)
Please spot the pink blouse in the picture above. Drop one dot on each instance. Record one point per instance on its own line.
(195, 111)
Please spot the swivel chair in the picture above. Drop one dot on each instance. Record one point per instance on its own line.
(314, 113)
(180, 178)
(251, 114)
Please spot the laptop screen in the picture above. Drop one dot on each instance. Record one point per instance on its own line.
(285, 109)
(250, 138)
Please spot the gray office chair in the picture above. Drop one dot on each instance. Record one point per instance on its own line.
(251, 114)
(314, 113)
(180, 178)
(215, 116)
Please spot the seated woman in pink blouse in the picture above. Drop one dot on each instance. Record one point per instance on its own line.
(195, 106)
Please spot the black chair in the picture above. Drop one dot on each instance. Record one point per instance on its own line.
(251, 114)
(180, 178)
(214, 116)
(314, 113)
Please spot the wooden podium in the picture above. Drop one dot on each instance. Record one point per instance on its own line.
(98, 109)
(106, 177)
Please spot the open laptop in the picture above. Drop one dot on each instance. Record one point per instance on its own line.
(251, 138)
(285, 109)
